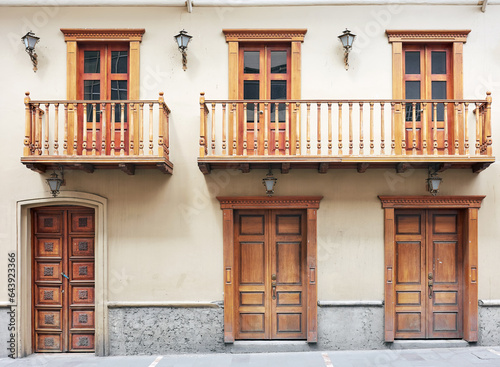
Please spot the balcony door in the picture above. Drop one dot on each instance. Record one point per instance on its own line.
(104, 75)
(264, 74)
(428, 74)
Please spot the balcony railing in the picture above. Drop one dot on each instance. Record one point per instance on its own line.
(357, 134)
(93, 134)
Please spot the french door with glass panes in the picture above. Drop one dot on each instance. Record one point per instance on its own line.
(104, 75)
(264, 74)
(428, 74)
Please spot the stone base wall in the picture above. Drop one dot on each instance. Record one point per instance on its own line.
(344, 328)
(489, 325)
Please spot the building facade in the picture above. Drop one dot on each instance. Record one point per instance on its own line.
(162, 238)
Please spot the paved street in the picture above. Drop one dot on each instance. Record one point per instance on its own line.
(456, 357)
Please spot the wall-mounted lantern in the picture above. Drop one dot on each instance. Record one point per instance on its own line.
(269, 182)
(182, 40)
(433, 181)
(347, 38)
(30, 41)
(55, 182)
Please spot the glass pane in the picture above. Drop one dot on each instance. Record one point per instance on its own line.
(278, 62)
(91, 62)
(92, 92)
(278, 91)
(119, 92)
(119, 62)
(251, 62)
(412, 62)
(412, 91)
(438, 60)
(251, 90)
(439, 92)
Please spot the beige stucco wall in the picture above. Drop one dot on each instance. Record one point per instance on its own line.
(165, 232)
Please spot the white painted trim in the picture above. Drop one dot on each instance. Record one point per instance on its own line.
(236, 3)
(178, 304)
(489, 302)
(99, 204)
(350, 303)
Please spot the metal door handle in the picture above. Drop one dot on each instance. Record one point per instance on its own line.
(64, 275)
(430, 283)
(273, 285)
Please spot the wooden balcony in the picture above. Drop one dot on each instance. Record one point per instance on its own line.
(125, 134)
(353, 134)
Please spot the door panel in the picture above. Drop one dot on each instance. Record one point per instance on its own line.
(428, 274)
(63, 309)
(270, 254)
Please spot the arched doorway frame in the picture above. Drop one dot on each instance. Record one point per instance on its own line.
(23, 274)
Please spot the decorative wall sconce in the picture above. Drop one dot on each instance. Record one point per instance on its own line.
(347, 38)
(269, 182)
(30, 40)
(182, 40)
(55, 182)
(433, 181)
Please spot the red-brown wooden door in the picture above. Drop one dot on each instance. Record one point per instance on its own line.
(270, 259)
(103, 75)
(428, 74)
(264, 74)
(63, 279)
(428, 272)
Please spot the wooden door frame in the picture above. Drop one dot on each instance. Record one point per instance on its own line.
(311, 205)
(23, 274)
(470, 205)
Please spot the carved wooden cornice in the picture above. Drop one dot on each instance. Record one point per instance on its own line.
(265, 202)
(88, 34)
(264, 35)
(427, 35)
(431, 202)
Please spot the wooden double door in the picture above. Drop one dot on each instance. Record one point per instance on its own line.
(63, 313)
(270, 274)
(429, 274)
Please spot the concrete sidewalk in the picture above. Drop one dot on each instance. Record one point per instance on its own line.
(443, 357)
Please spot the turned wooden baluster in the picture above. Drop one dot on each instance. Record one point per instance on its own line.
(308, 135)
(276, 129)
(489, 141)
(255, 129)
(478, 129)
(245, 127)
(202, 126)
(104, 129)
(466, 128)
(235, 130)
(455, 128)
(46, 132)
(94, 128)
(382, 128)
(287, 124)
(224, 144)
(75, 128)
(65, 136)
(297, 128)
(166, 113)
(372, 144)
(141, 126)
(446, 150)
(27, 126)
(213, 128)
(423, 118)
(266, 129)
(131, 129)
(113, 133)
(34, 116)
(56, 128)
(330, 122)
(150, 120)
(318, 129)
(403, 135)
(434, 126)
(414, 128)
(122, 129)
(351, 144)
(38, 127)
(163, 135)
(340, 146)
(84, 130)
(361, 139)
(393, 128)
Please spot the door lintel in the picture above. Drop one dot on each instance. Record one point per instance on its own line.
(273, 202)
(431, 202)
